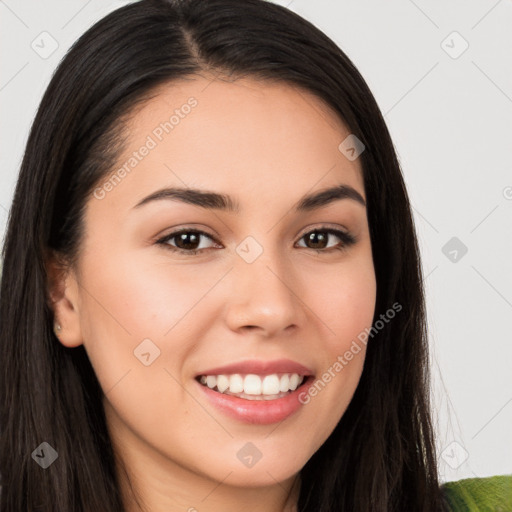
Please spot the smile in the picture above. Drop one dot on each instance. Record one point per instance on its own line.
(252, 386)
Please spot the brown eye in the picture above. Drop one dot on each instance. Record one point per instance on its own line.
(186, 241)
(318, 239)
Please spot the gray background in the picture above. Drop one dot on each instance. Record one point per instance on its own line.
(449, 110)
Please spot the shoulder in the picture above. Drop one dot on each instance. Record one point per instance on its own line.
(492, 493)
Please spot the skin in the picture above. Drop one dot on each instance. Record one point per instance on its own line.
(266, 145)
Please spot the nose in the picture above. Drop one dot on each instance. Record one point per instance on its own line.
(264, 297)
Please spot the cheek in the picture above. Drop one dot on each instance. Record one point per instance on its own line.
(134, 296)
(344, 299)
(135, 313)
(345, 304)
(125, 303)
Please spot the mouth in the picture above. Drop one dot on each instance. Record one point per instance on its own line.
(253, 386)
(256, 391)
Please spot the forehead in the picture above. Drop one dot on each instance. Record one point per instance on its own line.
(245, 137)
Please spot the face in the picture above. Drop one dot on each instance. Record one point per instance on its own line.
(272, 287)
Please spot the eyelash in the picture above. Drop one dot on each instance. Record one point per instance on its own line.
(346, 238)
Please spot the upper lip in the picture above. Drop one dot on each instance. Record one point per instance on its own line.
(259, 367)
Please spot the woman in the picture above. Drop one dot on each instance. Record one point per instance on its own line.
(280, 363)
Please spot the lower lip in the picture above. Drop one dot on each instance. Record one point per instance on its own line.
(258, 412)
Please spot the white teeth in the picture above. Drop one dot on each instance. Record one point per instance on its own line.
(270, 385)
(222, 383)
(284, 383)
(294, 381)
(211, 381)
(236, 383)
(250, 386)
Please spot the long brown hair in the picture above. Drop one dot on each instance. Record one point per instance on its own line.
(381, 456)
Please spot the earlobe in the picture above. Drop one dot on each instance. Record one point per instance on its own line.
(63, 300)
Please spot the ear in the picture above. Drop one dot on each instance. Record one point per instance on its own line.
(63, 298)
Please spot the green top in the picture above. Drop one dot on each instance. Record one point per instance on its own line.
(490, 494)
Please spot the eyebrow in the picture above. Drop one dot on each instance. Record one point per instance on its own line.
(223, 202)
